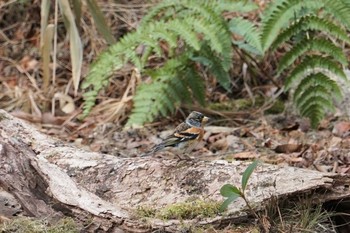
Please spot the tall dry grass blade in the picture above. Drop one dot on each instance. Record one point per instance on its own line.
(100, 21)
(44, 14)
(76, 50)
(77, 11)
(45, 54)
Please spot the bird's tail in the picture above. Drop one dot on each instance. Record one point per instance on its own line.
(153, 150)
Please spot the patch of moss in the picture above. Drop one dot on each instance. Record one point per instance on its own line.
(3, 117)
(237, 104)
(184, 210)
(146, 211)
(190, 210)
(29, 225)
(276, 108)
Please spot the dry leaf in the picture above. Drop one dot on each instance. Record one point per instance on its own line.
(341, 129)
(66, 102)
(245, 155)
(288, 148)
(28, 63)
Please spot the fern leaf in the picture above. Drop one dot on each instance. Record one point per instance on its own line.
(248, 31)
(156, 11)
(278, 15)
(216, 66)
(172, 84)
(323, 103)
(184, 25)
(303, 46)
(339, 10)
(146, 107)
(210, 33)
(315, 108)
(195, 82)
(308, 83)
(316, 90)
(315, 113)
(311, 23)
(235, 6)
(185, 30)
(312, 64)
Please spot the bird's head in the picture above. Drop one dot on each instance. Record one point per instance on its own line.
(197, 119)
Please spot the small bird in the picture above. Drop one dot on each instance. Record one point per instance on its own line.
(185, 136)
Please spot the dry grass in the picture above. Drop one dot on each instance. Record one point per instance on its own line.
(21, 69)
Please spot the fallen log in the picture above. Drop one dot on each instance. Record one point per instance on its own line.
(47, 177)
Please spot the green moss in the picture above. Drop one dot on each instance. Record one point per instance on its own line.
(237, 104)
(276, 108)
(146, 212)
(3, 117)
(28, 225)
(184, 210)
(190, 210)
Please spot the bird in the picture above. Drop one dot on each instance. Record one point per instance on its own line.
(185, 136)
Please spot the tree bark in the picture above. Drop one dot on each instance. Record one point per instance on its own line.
(46, 177)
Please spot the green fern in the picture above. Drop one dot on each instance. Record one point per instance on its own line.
(309, 23)
(196, 31)
(339, 10)
(278, 15)
(317, 79)
(320, 45)
(313, 64)
(318, 61)
(249, 32)
(174, 83)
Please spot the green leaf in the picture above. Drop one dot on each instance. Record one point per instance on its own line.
(247, 173)
(228, 190)
(248, 31)
(228, 201)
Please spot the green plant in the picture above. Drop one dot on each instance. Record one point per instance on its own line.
(183, 34)
(314, 32)
(232, 192)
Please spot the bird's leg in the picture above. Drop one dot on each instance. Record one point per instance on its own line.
(186, 157)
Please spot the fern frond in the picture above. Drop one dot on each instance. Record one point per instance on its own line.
(248, 31)
(171, 7)
(311, 22)
(339, 10)
(278, 15)
(185, 30)
(184, 26)
(210, 33)
(147, 107)
(172, 84)
(217, 66)
(312, 80)
(235, 6)
(195, 82)
(315, 113)
(312, 44)
(316, 90)
(314, 102)
(313, 64)
(156, 11)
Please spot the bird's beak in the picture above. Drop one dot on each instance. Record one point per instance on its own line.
(205, 120)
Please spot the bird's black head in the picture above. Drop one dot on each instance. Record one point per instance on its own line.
(196, 119)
